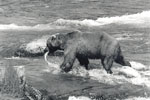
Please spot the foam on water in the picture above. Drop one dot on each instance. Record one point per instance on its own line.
(16, 58)
(138, 66)
(142, 19)
(138, 98)
(39, 27)
(13, 57)
(136, 75)
(129, 72)
(86, 98)
(78, 98)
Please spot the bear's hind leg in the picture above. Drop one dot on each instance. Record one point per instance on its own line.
(107, 64)
(83, 62)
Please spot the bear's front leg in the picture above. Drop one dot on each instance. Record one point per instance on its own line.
(107, 64)
(69, 59)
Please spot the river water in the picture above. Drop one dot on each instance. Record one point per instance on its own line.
(128, 21)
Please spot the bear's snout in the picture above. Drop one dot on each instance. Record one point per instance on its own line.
(46, 50)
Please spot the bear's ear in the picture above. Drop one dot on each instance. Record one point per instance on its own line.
(53, 37)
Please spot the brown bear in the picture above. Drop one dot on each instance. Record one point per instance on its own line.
(84, 46)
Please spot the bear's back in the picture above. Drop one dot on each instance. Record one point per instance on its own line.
(94, 45)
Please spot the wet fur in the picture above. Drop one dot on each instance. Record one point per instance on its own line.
(84, 46)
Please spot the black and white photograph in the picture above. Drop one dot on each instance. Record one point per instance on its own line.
(74, 49)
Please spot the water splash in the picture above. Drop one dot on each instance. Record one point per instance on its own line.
(129, 72)
(52, 67)
(140, 20)
(16, 58)
(138, 66)
(78, 98)
(138, 98)
(38, 27)
(86, 98)
(135, 75)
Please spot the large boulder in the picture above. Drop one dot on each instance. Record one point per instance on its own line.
(33, 48)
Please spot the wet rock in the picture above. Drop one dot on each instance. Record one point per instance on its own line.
(64, 86)
(13, 82)
(35, 48)
(25, 51)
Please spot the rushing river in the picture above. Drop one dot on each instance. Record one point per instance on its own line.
(128, 21)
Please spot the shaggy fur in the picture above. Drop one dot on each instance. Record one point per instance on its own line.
(84, 46)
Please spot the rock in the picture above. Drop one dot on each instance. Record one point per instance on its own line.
(63, 85)
(14, 85)
(13, 82)
(34, 48)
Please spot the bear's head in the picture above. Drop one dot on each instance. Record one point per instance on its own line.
(58, 41)
(55, 42)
